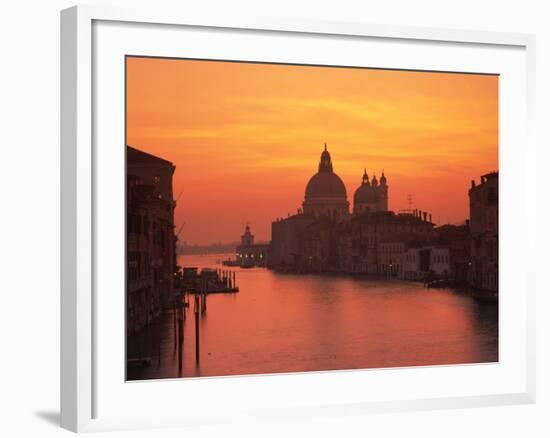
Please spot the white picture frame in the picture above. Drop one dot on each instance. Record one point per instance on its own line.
(82, 369)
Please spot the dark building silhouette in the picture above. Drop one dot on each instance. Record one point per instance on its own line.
(380, 241)
(287, 241)
(324, 237)
(484, 233)
(151, 261)
(457, 239)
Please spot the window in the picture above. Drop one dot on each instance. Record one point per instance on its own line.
(156, 179)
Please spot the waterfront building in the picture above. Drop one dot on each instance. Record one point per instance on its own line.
(249, 253)
(457, 239)
(370, 230)
(440, 262)
(391, 258)
(287, 241)
(150, 238)
(483, 272)
(416, 263)
(152, 170)
(324, 237)
(320, 251)
(422, 262)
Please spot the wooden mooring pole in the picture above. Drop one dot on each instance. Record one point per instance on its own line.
(175, 318)
(158, 341)
(180, 335)
(197, 345)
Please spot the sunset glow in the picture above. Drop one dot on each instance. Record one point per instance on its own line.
(246, 138)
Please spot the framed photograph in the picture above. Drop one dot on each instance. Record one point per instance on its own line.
(281, 218)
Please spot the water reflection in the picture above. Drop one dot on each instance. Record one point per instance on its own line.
(289, 323)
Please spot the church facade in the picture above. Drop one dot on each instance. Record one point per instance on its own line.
(326, 194)
(324, 236)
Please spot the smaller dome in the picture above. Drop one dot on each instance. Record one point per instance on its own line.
(365, 194)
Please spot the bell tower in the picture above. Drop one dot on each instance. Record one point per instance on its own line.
(247, 239)
(383, 191)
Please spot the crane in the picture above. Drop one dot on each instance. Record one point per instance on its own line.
(179, 230)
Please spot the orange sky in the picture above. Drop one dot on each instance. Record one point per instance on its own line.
(246, 138)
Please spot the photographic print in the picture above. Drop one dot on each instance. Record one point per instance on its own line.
(300, 218)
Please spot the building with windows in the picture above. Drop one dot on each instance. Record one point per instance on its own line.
(440, 262)
(376, 236)
(150, 244)
(287, 241)
(391, 259)
(483, 272)
(456, 238)
(426, 262)
(416, 265)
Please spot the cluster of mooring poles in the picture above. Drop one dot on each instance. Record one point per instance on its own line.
(199, 310)
(179, 319)
(227, 278)
(181, 303)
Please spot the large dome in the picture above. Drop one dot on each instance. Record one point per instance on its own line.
(365, 194)
(325, 185)
(325, 192)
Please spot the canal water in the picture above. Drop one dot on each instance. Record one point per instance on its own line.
(293, 323)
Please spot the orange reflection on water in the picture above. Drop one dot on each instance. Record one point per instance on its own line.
(294, 323)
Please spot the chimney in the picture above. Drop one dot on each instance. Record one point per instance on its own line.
(430, 217)
(473, 184)
(425, 215)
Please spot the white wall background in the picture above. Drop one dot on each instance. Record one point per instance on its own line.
(29, 215)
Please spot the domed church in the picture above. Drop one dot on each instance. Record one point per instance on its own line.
(325, 192)
(371, 196)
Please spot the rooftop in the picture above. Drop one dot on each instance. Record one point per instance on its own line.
(135, 156)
